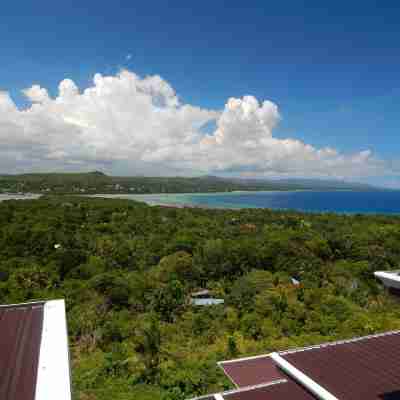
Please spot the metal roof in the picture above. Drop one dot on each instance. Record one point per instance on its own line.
(390, 279)
(288, 390)
(361, 368)
(34, 359)
(252, 370)
(206, 302)
(20, 338)
(366, 368)
(279, 389)
(203, 292)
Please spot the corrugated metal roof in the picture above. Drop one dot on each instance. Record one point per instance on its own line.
(252, 371)
(365, 368)
(277, 390)
(283, 391)
(20, 337)
(204, 292)
(206, 302)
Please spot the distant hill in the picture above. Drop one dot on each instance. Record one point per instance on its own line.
(312, 184)
(98, 182)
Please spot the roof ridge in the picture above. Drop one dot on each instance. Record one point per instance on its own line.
(338, 342)
(242, 389)
(28, 304)
(232, 360)
(315, 346)
(303, 379)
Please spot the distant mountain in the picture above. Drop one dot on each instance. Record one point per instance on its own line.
(98, 182)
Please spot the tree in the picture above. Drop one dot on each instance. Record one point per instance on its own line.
(149, 345)
(169, 299)
(179, 266)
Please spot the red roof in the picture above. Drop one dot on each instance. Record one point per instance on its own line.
(34, 359)
(366, 368)
(288, 390)
(251, 371)
(282, 389)
(20, 336)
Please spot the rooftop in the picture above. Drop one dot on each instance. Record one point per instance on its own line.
(203, 292)
(20, 336)
(365, 368)
(390, 279)
(251, 371)
(361, 368)
(274, 390)
(206, 302)
(34, 362)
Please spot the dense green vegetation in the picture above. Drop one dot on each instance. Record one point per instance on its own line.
(97, 182)
(127, 270)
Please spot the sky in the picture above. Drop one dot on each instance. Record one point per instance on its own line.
(255, 88)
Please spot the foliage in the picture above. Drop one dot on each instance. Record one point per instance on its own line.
(127, 271)
(98, 182)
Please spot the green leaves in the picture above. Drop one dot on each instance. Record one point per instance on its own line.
(168, 300)
(127, 271)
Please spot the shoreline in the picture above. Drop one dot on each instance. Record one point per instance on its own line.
(154, 200)
(324, 202)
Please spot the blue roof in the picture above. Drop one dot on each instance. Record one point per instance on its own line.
(206, 302)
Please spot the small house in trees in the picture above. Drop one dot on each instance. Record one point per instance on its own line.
(390, 279)
(34, 358)
(201, 294)
(204, 298)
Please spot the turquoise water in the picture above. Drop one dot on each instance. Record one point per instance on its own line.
(370, 202)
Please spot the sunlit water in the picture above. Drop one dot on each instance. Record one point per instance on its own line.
(370, 202)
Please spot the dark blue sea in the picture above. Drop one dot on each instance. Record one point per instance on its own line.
(352, 202)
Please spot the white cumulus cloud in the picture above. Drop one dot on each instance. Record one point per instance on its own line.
(36, 94)
(142, 123)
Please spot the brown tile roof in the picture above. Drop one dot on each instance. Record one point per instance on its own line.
(366, 368)
(20, 337)
(251, 371)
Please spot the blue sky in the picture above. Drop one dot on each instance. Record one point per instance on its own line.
(332, 68)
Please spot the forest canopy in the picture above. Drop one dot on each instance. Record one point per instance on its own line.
(98, 182)
(127, 271)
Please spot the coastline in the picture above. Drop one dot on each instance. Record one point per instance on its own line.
(341, 202)
(344, 202)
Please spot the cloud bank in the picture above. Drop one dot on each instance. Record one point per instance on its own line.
(141, 123)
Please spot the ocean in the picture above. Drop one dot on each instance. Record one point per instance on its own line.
(346, 201)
